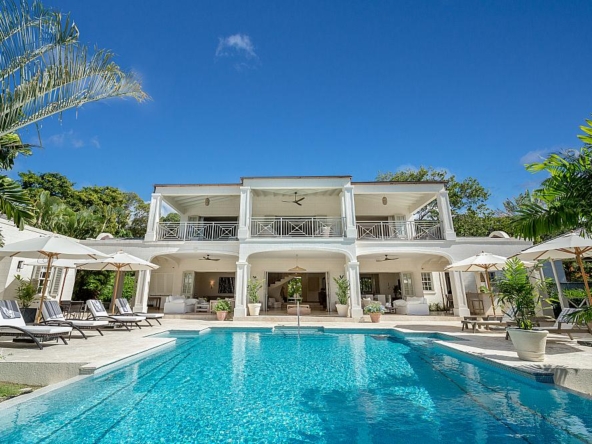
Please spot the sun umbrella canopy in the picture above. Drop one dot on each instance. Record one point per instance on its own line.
(50, 246)
(568, 246)
(562, 247)
(479, 262)
(119, 261)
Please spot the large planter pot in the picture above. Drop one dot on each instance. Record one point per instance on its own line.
(29, 315)
(341, 309)
(221, 315)
(530, 344)
(375, 317)
(254, 309)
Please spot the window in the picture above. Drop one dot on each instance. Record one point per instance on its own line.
(426, 282)
(54, 285)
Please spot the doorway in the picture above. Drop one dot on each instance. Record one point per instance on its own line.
(314, 289)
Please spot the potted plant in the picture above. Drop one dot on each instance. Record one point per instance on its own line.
(375, 310)
(517, 292)
(26, 293)
(253, 287)
(342, 295)
(222, 308)
(295, 289)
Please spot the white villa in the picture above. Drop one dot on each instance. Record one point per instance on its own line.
(273, 228)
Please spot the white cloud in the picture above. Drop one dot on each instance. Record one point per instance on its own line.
(70, 139)
(236, 45)
(535, 156)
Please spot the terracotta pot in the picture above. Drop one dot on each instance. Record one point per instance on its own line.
(530, 344)
(375, 317)
(221, 315)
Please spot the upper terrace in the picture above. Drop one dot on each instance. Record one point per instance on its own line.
(299, 207)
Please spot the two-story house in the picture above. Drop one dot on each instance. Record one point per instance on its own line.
(316, 228)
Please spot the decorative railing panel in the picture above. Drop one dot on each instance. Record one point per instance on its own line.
(296, 227)
(197, 231)
(416, 230)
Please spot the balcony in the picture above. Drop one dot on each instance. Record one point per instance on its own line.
(416, 230)
(293, 227)
(196, 231)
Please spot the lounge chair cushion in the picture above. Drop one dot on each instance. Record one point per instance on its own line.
(46, 330)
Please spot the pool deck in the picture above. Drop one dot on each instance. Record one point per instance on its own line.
(569, 362)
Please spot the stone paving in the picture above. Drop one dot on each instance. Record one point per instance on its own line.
(570, 362)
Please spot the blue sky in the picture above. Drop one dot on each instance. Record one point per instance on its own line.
(245, 88)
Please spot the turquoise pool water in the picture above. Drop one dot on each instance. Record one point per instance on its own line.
(264, 387)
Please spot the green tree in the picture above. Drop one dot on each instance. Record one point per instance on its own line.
(468, 200)
(55, 184)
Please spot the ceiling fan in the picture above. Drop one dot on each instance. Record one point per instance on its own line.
(208, 258)
(296, 200)
(387, 258)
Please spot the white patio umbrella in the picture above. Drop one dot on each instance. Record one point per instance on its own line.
(568, 246)
(52, 248)
(481, 262)
(117, 262)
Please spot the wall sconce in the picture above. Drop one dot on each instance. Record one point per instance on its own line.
(207, 201)
(384, 200)
(212, 284)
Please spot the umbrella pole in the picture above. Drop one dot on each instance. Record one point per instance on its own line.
(490, 290)
(115, 291)
(43, 290)
(584, 277)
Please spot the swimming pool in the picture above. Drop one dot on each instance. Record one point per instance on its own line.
(264, 386)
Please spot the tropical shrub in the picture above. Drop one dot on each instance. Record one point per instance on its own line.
(342, 289)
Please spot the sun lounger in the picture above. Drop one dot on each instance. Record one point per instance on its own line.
(13, 324)
(124, 309)
(52, 315)
(564, 325)
(99, 313)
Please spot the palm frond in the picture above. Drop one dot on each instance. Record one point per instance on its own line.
(11, 146)
(14, 202)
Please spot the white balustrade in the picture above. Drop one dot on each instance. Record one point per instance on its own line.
(196, 231)
(415, 230)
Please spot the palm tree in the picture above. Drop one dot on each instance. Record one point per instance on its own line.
(45, 70)
(564, 200)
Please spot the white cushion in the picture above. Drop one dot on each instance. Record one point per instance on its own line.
(78, 323)
(46, 330)
(128, 318)
(400, 303)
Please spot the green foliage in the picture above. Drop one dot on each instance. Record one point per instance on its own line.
(171, 217)
(374, 307)
(9, 390)
(437, 307)
(91, 284)
(470, 213)
(222, 305)
(342, 289)
(563, 202)
(26, 292)
(253, 287)
(86, 212)
(295, 287)
(518, 292)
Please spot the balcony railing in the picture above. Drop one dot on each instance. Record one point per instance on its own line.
(416, 230)
(196, 231)
(297, 227)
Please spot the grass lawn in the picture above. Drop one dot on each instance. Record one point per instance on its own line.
(10, 389)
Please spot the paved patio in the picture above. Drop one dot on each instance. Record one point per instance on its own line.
(570, 362)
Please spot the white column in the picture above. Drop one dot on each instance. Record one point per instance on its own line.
(153, 217)
(445, 215)
(459, 296)
(349, 209)
(142, 291)
(353, 275)
(245, 210)
(242, 277)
